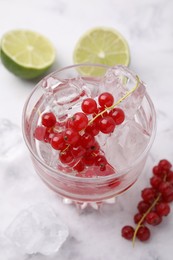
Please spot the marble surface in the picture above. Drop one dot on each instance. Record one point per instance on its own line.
(147, 26)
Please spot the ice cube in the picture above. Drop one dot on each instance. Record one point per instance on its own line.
(10, 138)
(62, 96)
(119, 80)
(37, 229)
(8, 251)
(126, 144)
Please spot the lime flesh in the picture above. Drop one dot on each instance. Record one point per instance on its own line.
(26, 54)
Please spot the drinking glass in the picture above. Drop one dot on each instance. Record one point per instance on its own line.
(57, 92)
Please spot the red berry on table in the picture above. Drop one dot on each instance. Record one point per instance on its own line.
(127, 232)
(165, 165)
(152, 218)
(137, 217)
(71, 136)
(143, 206)
(148, 194)
(66, 156)
(89, 106)
(163, 186)
(163, 209)
(48, 119)
(157, 171)
(166, 190)
(57, 142)
(155, 200)
(79, 121)
(118, 115)
(106, 99)
(39, 133)
(155, 181)
(107, 125)
(143, 233)
(170, 177)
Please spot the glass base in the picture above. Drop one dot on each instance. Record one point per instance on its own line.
(94, 205)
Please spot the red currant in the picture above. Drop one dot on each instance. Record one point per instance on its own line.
(89, 106)
(39, 133)
(87, 140)
(162, 209)
(118, 115)
(155, 182)
(157, 171)
(57, 142)
(106, 99)
(101, 161)
(88, 159)
(48, 135)
(48, 119)
(71, 136)
(79, 121)
(170, 177)
(79, 166)
(153, 218)
(143, 233)
(107, 125)
(94, 149)
(148, 194)
(66, 156)
(143, 206)
(165, 165)
(166, 190)
(127, 232)
(78, 151)
(92, 129)
(138, 217)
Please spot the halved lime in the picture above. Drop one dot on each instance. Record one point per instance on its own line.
(101, 46)
(27, 54)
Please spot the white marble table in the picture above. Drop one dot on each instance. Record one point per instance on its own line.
(147, 26)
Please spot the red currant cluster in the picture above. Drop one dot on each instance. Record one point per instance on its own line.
(154, 204)
(76, 141)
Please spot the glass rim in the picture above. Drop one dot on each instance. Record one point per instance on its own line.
(54, 172)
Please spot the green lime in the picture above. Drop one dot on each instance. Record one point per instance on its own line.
(26, 54)
(101, 46)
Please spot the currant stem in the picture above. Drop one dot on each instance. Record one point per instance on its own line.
(118, 102)
(145, 214)
(65, 149)
(143, 217)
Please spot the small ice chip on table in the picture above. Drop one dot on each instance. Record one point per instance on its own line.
(37, 230)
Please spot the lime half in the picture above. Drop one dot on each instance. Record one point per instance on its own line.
(101, 46)
(26, 54)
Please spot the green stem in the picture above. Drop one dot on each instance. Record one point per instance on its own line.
(118, 102)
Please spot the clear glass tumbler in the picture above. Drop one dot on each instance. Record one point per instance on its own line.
(58, 91)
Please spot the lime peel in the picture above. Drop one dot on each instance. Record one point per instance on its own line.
(26, 54)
